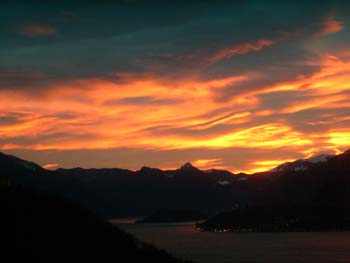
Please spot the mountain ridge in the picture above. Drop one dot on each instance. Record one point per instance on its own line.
(187, 166)
(113, 192)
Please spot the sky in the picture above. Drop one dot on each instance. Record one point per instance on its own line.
(236, 85)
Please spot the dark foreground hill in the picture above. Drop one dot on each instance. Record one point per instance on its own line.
(38, 227)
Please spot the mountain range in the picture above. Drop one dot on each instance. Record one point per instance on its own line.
(305, 195)
(119, 192)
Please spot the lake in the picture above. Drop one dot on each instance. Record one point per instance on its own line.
(183, 241)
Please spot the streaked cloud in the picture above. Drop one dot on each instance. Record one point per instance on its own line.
(209, 163)
(266, 165)
(92, 123)
(330, 25)
(50, 166)
(143, 100)
(240, 49)
(34, 30)
(196, 87)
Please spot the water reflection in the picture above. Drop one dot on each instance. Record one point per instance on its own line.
(182, 240)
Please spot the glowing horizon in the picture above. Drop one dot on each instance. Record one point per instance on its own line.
(130, 99)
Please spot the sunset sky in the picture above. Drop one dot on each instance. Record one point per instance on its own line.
(236, 85)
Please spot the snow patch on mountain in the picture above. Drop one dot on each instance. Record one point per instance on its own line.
(320, 158)
(223, 182)
(302, 164)
(300, 168)
(242, 179)
(282, 167)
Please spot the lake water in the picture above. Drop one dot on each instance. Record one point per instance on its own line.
(182, 241)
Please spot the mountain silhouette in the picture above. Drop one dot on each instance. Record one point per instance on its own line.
(315, 198)
(117, 192)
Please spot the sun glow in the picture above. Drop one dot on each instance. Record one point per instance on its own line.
(151, 112)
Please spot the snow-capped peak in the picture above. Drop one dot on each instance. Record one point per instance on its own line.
(302, 164)
(320, 158)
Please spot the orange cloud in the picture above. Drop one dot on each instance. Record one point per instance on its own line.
(340, 138)
(36, 30)
(50, 166)
(332, 78)
(237, 118)
(330, 26)
(76, 115)
(266, 165)
(330, 101)
(241, 49)
(204, 164)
